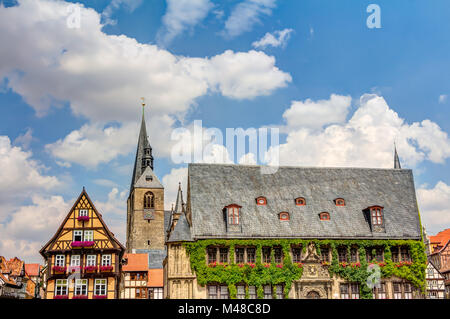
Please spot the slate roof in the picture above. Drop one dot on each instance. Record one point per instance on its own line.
(148, 179)
(214, 186)
(182, 231)
(155, 257)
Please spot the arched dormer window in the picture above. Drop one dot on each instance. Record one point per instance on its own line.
(233, 214)
(376, 215)
(300, 201)
(324, 216)
(149, 200)
(261, 201)
(284, 216)
(339, 202)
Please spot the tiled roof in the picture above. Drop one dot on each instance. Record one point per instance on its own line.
(15, 265)
(32, 269)
(136, 262)
(440, 239)
(214, 186)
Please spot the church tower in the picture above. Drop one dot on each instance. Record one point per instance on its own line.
(145, 204)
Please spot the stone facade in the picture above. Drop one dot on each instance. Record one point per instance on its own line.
(145, 226)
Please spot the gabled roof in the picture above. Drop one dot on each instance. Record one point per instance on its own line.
(182, 231)
(441, 238)
(119, 246)
(32, 269)
(148, 179)
(135, 262)
(214, 186)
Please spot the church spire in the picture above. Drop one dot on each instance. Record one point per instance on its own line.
(396, 159)
(144, 155)
(179, 206)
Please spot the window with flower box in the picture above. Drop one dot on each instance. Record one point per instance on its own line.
(251, 255)
(106, 260)
(266, 255)
(296, 254)
(223, 255)
(239, 255)
(395, 254)
(342, 253)
(268, 292)
(404, 251)
(61, 287)
(100, 287)
(60, 260)
(75, 260)
(278, 255)
(91, 260)
(380, 292)
(83, 212)
(81, 287)
(212, 255)
(353, 255)
(240, 292)
(88, 235)
(77, 235)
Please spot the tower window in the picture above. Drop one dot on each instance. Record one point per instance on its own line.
(339, 202)
(149, 200)
(261, 201)
(324, 216)
(300, 201)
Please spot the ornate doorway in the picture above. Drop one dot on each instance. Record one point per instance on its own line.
(313, 295)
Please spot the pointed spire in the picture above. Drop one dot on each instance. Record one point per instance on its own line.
(144, 156)
(179, 203)
(396, 159)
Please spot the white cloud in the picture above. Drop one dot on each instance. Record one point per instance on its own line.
(434, 207)
(114, 212)
(316, 114)
(115, 5)
(170, 182)
(248, 159)
(182, 15)
(277, 39)
(366, 140)
(442, 98)
(25, 139)
(20, 176)
(246, 14)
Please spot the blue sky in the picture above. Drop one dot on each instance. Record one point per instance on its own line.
(69, 97)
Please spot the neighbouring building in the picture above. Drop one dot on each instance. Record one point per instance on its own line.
(14, 280)
(440, 257)
(435, 282)
(438, 241)
(142, 276)
(146, 218)
(33, 271)
(83, 257)
(301, 232)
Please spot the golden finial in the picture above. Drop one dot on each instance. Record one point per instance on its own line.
(143, 103)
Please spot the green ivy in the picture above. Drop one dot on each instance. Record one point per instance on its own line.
(232, 274)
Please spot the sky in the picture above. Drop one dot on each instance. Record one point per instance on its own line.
(340, 92)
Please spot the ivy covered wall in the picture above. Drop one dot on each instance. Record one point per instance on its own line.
(260, 274)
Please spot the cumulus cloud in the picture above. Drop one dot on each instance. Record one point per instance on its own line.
(114, 212)
(434, 208)
(246, 14)
(182, 15)
(316, 114)
(277, 39)
(365, 140)
(171, 182)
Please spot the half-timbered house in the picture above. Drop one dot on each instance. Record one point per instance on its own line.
(435, 282)
(83, 257)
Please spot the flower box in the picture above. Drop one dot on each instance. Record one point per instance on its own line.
(80, 297)
(240, 265)
(100, 297)
(106, 268)
(83, 218)
(266, 265)
(212, 265)
(299, 265)
(74, 269)
(251, 265)
(61, 297)
(279, 266)
(82, 243)
(356, 265)
(90, 268)
(59, 269)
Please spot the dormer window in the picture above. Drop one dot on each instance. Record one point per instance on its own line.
(300, 201)
(261, 201)
(284, 216)
(233, 214)
(376, 215)
(324, 216)
(339, 202)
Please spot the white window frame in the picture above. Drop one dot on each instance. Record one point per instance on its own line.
(252, 294)
(81, 287)
(60, 260)
(88, 235)
(83, 212)
(106, 260)
(75, 260)
(240, 292)
(102, 286)
(268, 293)
(157, 292)
(61, 287)
(77, 233)
(91, 260)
